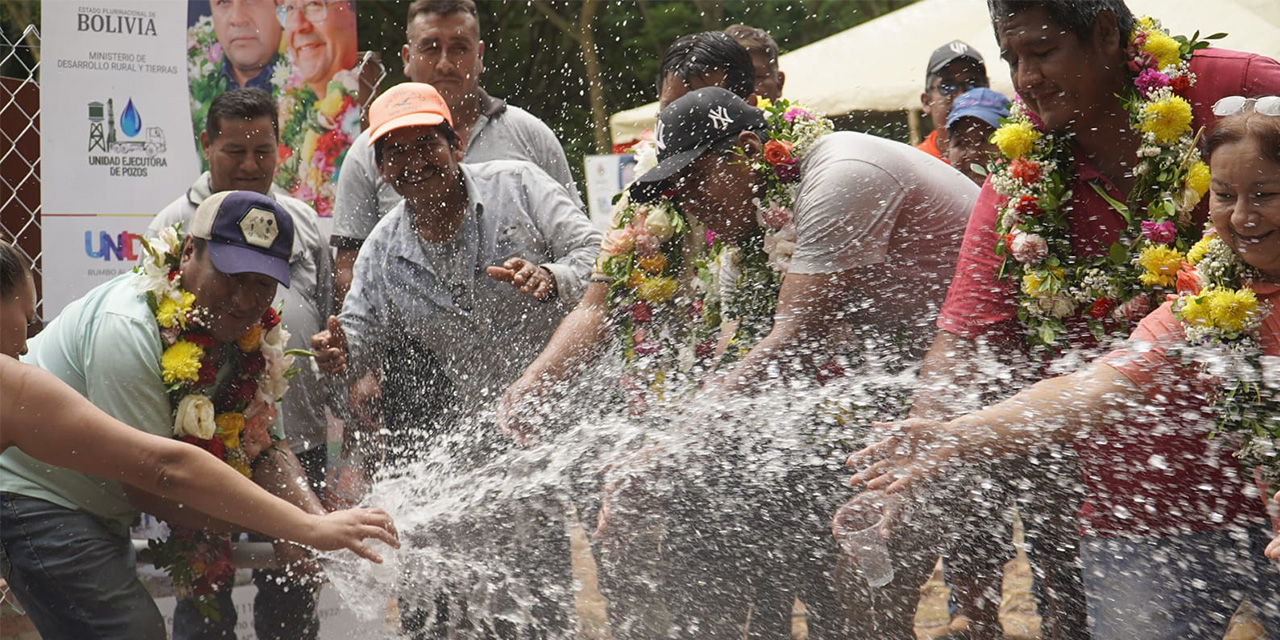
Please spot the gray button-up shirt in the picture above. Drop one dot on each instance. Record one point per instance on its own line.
(503, 132)
(304, 305)
(483, 332)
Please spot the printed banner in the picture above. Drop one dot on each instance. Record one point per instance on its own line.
(120, 141)
(114, 149)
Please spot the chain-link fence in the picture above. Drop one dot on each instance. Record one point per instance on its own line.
(20, 149)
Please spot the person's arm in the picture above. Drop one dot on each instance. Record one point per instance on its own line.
(808, 305)
(582, 337)
(44, 417)
(1057, 410)
(355, 213)
(573, 240)
(344, 264)
(1273, 549)
(956, 371)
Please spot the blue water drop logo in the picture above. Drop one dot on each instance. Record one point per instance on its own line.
(130, 121)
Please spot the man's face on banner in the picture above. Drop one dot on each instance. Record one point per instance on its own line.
(321, 36)
(247, 30)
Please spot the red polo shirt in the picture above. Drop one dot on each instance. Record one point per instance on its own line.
(979, 304)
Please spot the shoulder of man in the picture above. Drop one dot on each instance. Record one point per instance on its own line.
(182, 208)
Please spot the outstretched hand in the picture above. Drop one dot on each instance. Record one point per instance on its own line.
(512, 414)
(912, 450)
(349, 529)
(527, 277)
(330, 347)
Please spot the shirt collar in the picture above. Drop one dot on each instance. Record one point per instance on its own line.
(260, 81)
(411, 243)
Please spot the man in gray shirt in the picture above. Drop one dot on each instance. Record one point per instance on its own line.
(240, 141)
(444, 50)
(477, 264)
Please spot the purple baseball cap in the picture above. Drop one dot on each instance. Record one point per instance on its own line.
(246, 232)
(982, 103)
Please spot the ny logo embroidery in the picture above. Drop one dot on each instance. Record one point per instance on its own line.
(659, 142)
(720, 118)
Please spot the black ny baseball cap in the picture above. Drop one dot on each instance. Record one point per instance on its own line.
(687, 128)
(246, 232)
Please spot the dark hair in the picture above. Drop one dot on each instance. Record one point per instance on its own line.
(447, 131)
(1265, 129)
(442, 8)
(240, 104)
(1077, 16)
(754, 39)
(697, 54)
(14, 269)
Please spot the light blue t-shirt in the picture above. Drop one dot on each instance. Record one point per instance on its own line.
(107, 347)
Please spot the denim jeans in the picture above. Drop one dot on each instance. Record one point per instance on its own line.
(282, 609)
(1182, 586)
(75, 578)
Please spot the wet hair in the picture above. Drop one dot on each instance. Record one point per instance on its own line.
(14, 269)
(755, 40)
(697, 54)
(1077, 16)
(240, 104)
(445, 130)
(1264, 129)
(442, 8)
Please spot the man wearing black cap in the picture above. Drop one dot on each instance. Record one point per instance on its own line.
(954, 68)
(878, 227)
(108, 346)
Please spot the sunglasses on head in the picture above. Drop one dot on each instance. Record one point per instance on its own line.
(1231, 105)
(953, 89)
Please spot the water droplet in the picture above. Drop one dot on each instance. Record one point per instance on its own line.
(130, 120)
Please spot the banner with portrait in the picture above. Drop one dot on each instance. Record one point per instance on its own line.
(305, 53)
(119, 142)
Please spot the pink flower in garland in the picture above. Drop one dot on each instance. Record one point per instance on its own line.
(1149, 81)
(1159, 232)
(796, 113)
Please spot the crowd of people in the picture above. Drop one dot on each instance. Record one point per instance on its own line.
(1062, 305)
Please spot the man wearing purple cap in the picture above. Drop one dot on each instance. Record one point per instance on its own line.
(239, 142)
(954, 68)
(66, 534)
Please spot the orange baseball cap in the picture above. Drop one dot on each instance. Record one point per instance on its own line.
(408, 104)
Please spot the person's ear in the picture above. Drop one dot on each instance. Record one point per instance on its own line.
(924, 102)
(405, 54)
(1107, 36)
(204, 144)
(750, 144)
(480, 57)
(782, 81)
(188, 252)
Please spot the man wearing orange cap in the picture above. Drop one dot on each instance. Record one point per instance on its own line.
(443, 48)
(478, 263)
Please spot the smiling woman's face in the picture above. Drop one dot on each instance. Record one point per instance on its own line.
(1244, 203)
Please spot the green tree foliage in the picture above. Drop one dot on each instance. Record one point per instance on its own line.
(534, 49)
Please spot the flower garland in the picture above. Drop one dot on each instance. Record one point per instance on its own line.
(644, 258)
(199, 561)
(1221, 318)
(315, 134)
(1034, 173)
(204, 73)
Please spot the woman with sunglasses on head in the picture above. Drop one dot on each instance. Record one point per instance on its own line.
(1206, 362)
(50, 421)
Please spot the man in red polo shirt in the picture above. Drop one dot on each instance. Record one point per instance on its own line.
(1069, 65)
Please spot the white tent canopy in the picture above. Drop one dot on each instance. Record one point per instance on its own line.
(879, 65)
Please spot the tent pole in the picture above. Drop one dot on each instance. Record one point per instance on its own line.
(913, 126)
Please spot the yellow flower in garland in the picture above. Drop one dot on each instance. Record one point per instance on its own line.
(1015, 139)
(654, 263)
(181, 362)
(1163, 48)
(229, 427)
(1195, 311)
(1160, 264)
(763, 104)
(1198, 178)
(173, 313)
(1232, 308)
(657, 290)
(1199, 249)
(1166, 119)
(331, 103)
